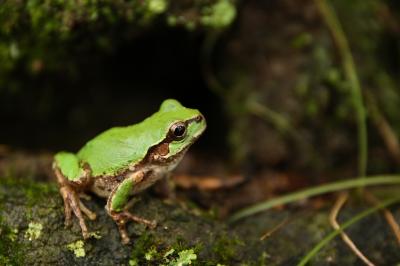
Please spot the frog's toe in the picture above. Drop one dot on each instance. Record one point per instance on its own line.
(125, 238)
(67, 214)
(91, 215)
(121, 218)
(153, 224)
(149, 223)
(72, 202)
(67, 222)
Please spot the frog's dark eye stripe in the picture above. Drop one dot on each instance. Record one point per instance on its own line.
(178, 131)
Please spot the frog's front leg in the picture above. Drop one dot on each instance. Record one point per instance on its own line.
(117, 202)
(72, 179)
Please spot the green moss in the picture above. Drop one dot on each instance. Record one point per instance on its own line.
(226, 249)
(151, 253)
(181, 244)
(157, 6)
(326, 85)
(262, 260)
(95, 235)
(219, 15)
(188, 24)
(78, 248)
(34, 231)
(37, 35)
(60, 17)
(43, 31)
(10, 250)
(185, 257)
(150, 250)
(37, 192)
(141, 246)
(31, 191)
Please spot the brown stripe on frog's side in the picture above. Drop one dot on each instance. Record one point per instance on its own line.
(161, 149)
(104, 185)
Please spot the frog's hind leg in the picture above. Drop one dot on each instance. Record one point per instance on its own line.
(69, 192)
(116, 207)
(72, 203)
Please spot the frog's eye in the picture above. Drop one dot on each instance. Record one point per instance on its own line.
(178, 131)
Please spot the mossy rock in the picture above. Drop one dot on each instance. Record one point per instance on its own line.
(32, 233)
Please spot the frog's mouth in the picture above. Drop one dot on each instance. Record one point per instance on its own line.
(202, 121)
(197, 126)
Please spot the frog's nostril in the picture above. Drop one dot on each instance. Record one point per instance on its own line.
(199, 118)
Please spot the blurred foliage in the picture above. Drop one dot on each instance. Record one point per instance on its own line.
(42, 35)
(36, 34)
(289, 71)
(278, 67)
(371, 29)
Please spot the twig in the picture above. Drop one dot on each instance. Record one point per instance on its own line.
(348, 223)
(332, 219)
(268, 233)
(340, 39)
(388, 215)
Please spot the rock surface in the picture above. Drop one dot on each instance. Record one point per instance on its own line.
(32, 233)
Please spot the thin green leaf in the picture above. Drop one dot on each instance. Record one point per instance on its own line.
(318, 190)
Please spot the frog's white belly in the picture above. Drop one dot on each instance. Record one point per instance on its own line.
(153, 173)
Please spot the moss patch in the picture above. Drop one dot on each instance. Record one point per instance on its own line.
(219, 15)
(148, 250)
(10, 249)
(34, 231)
(78, 248)
(226, 249)
(31, 191)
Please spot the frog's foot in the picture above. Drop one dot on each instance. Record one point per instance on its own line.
(121, 218)
(72, 203)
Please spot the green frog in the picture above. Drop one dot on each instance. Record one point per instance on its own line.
(123, 161)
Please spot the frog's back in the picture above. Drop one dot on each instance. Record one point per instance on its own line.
(116, 148)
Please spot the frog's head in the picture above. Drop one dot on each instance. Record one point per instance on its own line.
(181, 128)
